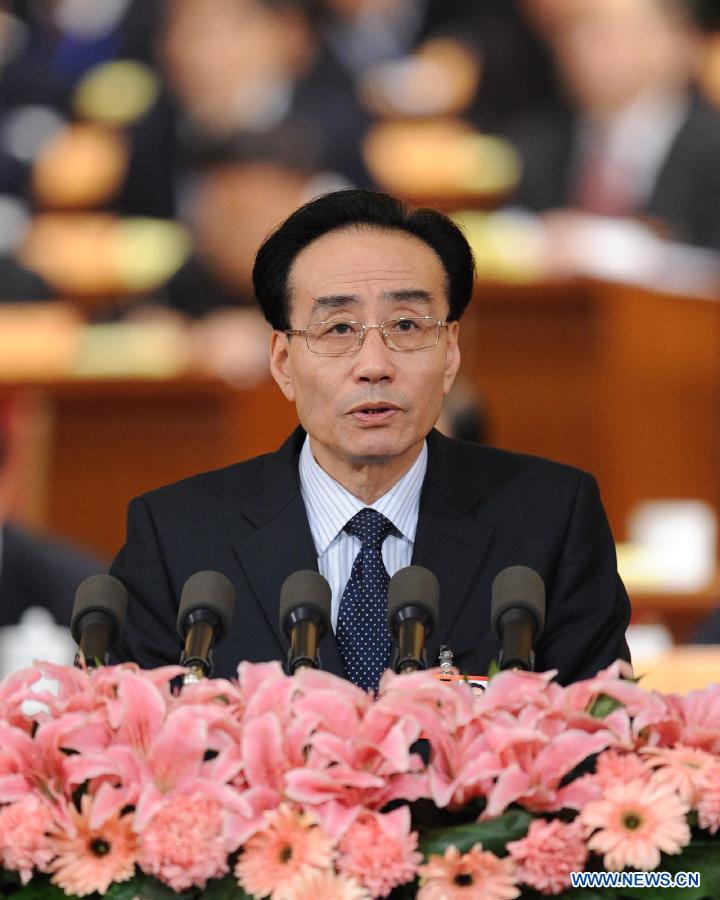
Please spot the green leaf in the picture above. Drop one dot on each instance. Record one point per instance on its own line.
(40, 888)
(226, 888)
(9, 882)
(493, 669)
(147, 888)
(493, 834)
(603, 706)
(404, 891)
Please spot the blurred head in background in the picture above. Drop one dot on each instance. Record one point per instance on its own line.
(234, 207)
(612, 53)
(233, 62)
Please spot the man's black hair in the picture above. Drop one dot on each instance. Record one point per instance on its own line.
(365, 209)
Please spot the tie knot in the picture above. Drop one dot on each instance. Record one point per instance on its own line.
(371, 527)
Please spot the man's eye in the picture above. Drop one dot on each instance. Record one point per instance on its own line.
(405, 325)
(336, 329)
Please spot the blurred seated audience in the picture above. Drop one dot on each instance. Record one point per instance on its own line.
(85, 125)
(230, 207)
(708, 16)
(36, 570)
(639, 139)
(404, 57)
(248, 81)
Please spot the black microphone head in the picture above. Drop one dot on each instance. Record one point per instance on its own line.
(206, 590)
(99, 593)
(414, 586)
(307, 589)
(518, 587)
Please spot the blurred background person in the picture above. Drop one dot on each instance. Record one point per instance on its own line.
(638, 138)
(245, 77)
(39, 574)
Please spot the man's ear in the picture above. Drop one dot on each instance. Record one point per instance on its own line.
(452, 358)
(280, 365)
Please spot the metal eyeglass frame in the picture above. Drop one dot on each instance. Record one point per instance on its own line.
(303, 332)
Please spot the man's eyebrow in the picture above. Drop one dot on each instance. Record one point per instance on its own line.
(415, 295)
(337, 301)
(334, 301)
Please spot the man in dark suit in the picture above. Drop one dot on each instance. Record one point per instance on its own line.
(364, 300)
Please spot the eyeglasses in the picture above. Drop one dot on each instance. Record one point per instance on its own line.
(341, 337)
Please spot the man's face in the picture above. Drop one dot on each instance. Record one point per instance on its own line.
(367, 276)
(610, 52)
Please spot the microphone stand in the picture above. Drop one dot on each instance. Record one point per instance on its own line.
(97, 629)
(201, 625)
(411, 624)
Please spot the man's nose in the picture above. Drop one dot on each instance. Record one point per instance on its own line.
(374, 360)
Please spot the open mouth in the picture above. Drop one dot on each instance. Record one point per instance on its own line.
(374, 414)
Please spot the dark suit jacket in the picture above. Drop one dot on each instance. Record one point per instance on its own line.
(36, 570)
(685, 193)
(481, 510)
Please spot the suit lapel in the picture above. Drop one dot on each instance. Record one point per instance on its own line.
(448, 541)
(281, 542)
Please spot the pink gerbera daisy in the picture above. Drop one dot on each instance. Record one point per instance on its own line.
(23, 841)
(633, 822)
(679, 767)
(322, 884)
(290, 845)
(475, 875)
(379, 858)
(708, 806)
(91, 859)
(548, 854)
(613, 767)
(182, 845)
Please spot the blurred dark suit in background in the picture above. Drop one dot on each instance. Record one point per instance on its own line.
(637, 140)
(36, 570)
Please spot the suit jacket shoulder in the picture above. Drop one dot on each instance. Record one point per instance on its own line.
(484, 509)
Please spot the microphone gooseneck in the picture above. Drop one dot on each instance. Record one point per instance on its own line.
(517, 615)
(305, 601)
(413, 604)
(206, 607)
(98, 617)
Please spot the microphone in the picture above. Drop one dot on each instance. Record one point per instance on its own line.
(413, 601)
(98, 616)
(305, 599)
(517, 615)
(206, 607)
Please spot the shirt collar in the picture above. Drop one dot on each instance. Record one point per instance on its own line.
(330, 506)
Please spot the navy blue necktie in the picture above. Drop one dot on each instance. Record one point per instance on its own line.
(362, 632)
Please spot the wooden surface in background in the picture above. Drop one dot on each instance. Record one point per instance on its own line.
(108, 440)
(620, 381)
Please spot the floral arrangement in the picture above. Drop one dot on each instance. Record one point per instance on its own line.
(117, 784)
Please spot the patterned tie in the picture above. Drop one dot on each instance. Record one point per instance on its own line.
(362, 632)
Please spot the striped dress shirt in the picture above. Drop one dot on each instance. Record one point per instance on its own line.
(330, 507)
